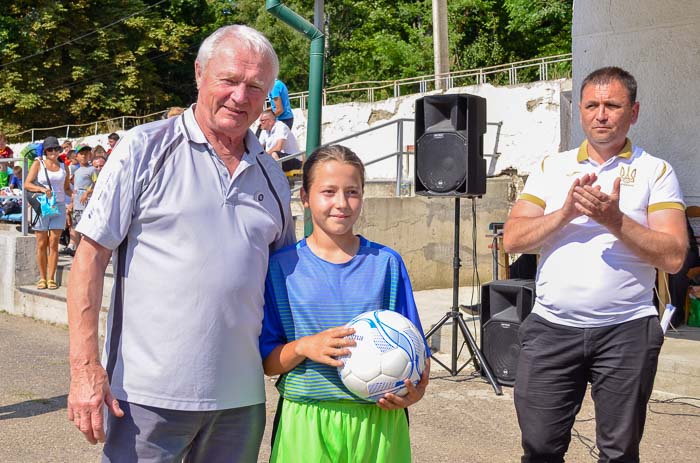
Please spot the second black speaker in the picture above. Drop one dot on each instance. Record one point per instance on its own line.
(504, 306)
(449, 145)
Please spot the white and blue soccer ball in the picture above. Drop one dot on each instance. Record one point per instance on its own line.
(389, 349)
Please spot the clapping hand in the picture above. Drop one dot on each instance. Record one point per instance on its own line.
(602, 207)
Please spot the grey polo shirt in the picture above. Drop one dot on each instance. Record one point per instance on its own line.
(191, 248)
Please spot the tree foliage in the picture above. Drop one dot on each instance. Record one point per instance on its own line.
(77, 61)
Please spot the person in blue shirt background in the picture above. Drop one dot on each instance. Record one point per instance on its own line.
(16, 178)
(281, 106)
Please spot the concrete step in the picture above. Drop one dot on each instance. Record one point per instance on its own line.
(65, 264)
(50, 305)
(679, 366)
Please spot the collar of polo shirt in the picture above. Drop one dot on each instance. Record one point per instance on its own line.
(194, 133)
(625, 153)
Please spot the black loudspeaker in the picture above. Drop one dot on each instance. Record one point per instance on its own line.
(449, 145)
(504, 306)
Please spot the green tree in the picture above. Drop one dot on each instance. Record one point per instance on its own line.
(77, 61)
(477, 34)
(542, 27)
(108, 68)
(378, 40)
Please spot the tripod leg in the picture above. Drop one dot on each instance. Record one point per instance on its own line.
(483, 364)
(433, 330)
(438, 325)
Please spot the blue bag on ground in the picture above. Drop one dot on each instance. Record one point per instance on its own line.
(48, 206)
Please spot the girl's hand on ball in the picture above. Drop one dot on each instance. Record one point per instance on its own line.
(323, 347)
(415, 393)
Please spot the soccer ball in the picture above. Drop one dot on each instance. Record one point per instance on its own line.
(389, 349)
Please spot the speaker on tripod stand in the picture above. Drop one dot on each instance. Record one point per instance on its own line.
(450, 145)
(504, 306)
(450, 163)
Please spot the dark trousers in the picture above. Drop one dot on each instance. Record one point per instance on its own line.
(155, 435)
(555, 365)
(290, 164)
(288, 122)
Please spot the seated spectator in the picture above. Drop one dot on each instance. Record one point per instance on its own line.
(16, 178)
(278, 140)
(5, 153)
(112, 139)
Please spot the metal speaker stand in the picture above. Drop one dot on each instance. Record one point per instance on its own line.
(457, 320)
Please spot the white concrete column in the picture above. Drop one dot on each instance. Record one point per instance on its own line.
(441, 45)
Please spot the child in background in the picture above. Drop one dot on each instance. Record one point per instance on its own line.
(98, 151)
(65, 155)
(5, 167)
(98, 162)
(16, 178)
(312, 289)
(5, 151)
(83, 179)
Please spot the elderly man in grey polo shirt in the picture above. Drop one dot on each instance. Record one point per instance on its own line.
(189, 208)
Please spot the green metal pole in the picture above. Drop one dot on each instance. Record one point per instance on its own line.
(313, 126)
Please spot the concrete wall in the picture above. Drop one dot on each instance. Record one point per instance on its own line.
(421, 229)
(658, 41)
(17, 264)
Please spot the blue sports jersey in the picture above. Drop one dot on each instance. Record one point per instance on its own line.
(305, 294)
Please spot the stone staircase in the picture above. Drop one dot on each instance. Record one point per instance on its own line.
(50, 305)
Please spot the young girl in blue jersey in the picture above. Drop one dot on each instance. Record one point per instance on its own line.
(312, 289)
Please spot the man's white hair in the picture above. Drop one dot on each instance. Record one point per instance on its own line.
(244, 37)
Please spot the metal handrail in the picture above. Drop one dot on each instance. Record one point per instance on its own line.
(399, 149)
(479, 74)
(96, 124)
(371, 86)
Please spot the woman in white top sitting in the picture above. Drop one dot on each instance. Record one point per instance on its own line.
(47, 175)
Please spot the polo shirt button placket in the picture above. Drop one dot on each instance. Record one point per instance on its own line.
(232, 198)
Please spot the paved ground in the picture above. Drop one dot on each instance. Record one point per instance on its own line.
(459, 420)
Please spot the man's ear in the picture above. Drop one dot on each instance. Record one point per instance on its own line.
(635, 112)
(197, 73)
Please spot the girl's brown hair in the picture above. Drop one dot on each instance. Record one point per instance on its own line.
(323, 154)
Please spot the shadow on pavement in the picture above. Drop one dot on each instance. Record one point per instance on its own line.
(33, 407)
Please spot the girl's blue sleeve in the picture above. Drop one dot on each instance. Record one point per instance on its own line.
(272, 334)
(406, 304)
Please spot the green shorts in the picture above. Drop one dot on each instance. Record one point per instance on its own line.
(340, 432)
